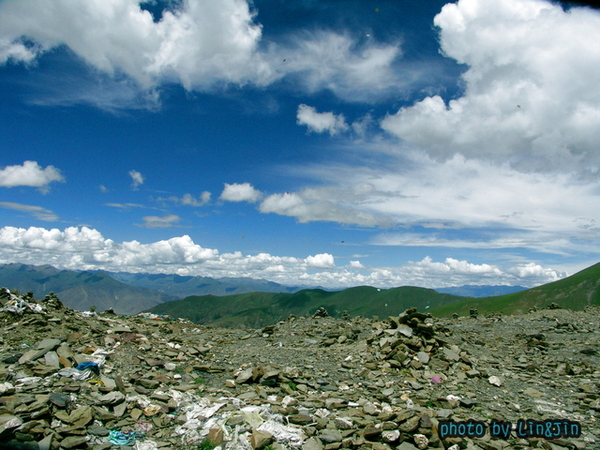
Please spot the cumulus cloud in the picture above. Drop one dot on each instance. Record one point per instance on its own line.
(322, 261)
(320, 122)
(71, 240)
(168, 221)
(137, 179)
(36, 211)
(30, 173)
(534, 271)
(243, 192)
(458, 273)
(530, 94)
(198, 43)
(203, 45)
(86, 249)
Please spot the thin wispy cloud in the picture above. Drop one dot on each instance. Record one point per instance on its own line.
(35, 211)
(125, 206)
(167, 221)
(188, 199)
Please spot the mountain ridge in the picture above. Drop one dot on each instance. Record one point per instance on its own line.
(131, 293)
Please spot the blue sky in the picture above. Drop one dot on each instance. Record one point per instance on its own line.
(331, 143)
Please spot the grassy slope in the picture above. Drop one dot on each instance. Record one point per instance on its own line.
(574, 292)
(261, 308)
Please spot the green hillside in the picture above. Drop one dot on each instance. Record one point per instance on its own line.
(574, 292)
(262, 308)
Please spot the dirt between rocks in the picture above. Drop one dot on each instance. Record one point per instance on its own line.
(72, 379)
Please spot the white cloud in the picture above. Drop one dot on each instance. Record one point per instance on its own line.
(493, 205)
(16, 51)
(125, 206)
(322, 204)
(36, 211)
(86, 249)
(89, 248)
(70, 241)
(530, 95)
(168, 221)
(534, 271)
(321, 261)
(321, 59)
(188, 199)
(321, 122)
(201, 44)
(137, 179)
(458, 273)
(243, 192)
(30, 173)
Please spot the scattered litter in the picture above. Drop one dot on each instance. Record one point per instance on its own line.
(283, 433)
(71, 372)
(18, 305)
(89, 365)
(494, 380)
(99, 356)
(127, 437)
(28, 380)
(143, 427)
(146, 445)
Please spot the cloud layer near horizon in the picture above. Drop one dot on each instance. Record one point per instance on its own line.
(86, 249)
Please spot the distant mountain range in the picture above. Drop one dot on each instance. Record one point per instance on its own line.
(80, 290)
(180, 286)
(249, 302)
(126, 293)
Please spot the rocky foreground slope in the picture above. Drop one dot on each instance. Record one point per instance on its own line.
(72, 379)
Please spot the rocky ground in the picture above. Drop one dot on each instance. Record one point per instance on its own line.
(72, 379)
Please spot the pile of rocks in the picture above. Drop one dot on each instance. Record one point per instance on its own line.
(73, 379)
